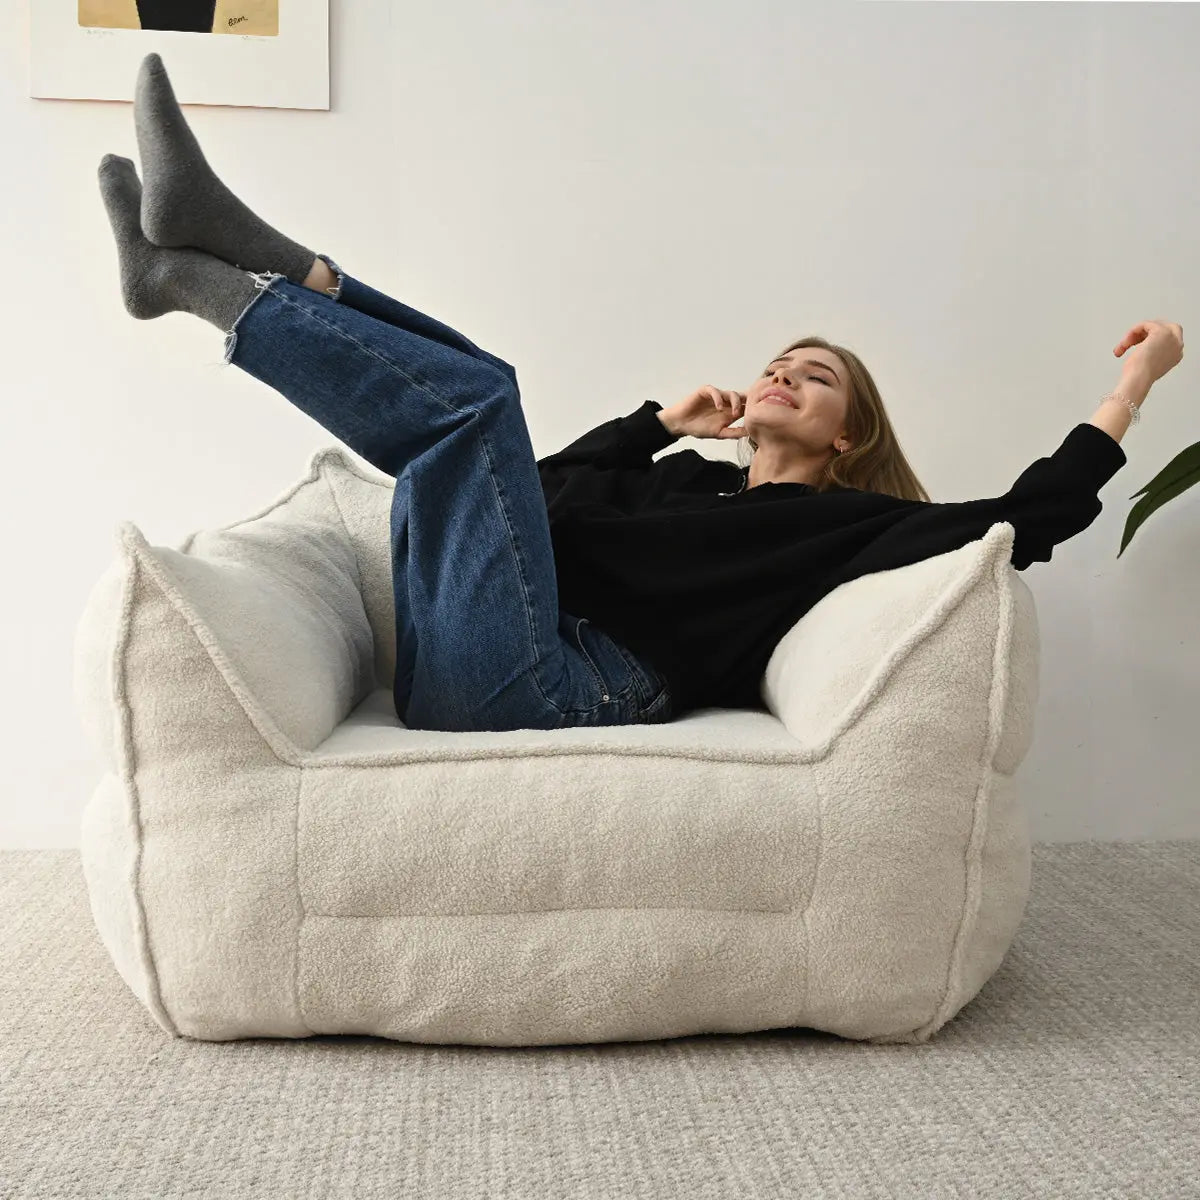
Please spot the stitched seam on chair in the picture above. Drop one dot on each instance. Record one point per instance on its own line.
(127, 759)
(286, 750)
(353, 467)
(939, 611)
(443, 754)
(314, 474)
(301, 1014)
(819, 789)
(973, 851)
(409, 915)
(342, 517)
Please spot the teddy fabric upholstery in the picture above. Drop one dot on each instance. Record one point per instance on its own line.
(270, 852)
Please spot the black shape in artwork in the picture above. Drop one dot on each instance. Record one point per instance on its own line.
(184, 16)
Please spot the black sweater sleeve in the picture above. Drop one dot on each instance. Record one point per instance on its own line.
(1053, 499)
(625, 442)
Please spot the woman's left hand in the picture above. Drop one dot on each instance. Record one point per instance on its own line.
(1160, 348)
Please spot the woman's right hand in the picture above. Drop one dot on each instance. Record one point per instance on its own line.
(1160, 349)
(708, 413)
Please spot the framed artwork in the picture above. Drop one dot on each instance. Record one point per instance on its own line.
(263, 53)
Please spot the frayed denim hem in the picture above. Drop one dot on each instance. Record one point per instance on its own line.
(262, 281)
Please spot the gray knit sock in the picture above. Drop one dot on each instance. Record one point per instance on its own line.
(184, 203)
(155, 280)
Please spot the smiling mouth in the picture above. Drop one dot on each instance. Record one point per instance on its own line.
(777, 400)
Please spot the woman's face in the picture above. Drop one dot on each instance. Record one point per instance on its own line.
(810, 416)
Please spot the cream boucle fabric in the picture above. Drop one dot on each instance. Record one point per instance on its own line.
(271, 853)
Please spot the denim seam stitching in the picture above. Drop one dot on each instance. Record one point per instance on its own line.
(341, 333)
(472, 413)
(613, 697)
(497, 491)
(591, 663)
(640, 682)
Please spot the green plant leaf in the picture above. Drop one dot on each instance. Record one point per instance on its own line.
(1181, 473)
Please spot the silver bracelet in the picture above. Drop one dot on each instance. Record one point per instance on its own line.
(1134, 412)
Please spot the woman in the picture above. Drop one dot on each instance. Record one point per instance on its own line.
(690, 569)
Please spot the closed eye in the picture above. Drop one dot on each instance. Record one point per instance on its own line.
(818, 378)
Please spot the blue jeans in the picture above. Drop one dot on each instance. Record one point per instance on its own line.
(481, 643)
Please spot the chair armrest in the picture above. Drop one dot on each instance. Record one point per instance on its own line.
(862, 645)
(275, 611)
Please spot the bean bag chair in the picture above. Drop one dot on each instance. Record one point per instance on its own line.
(270, 852)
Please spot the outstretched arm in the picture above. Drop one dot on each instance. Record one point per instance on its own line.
(1113, 416)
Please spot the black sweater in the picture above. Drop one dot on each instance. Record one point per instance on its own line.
(703, 577)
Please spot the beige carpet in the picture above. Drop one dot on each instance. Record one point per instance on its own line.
(1075, 1072)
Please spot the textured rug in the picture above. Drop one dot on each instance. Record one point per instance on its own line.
(1075, 1072)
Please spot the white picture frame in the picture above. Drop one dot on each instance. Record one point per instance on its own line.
(287, 69)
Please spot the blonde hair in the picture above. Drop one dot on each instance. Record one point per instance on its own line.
(875, 463)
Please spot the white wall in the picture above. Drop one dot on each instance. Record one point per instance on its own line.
(627, 201)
